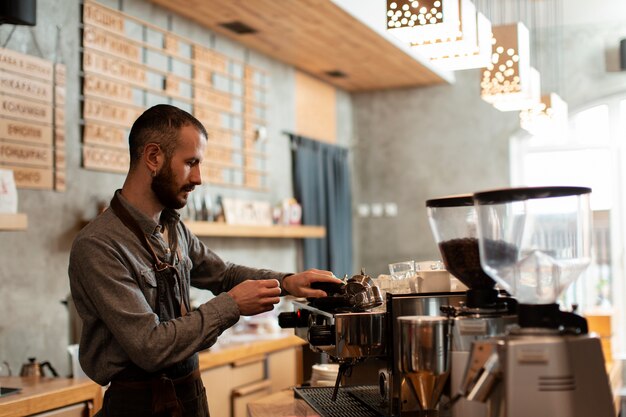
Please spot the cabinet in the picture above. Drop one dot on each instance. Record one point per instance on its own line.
(76, 410)
(230, 387)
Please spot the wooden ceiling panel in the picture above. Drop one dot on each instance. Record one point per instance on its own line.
(316, 36)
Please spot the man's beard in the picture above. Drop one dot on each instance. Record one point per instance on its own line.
(164, 187)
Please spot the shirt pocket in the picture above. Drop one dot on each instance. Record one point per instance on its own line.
(184, 273)
(185, 266)
(149, 286)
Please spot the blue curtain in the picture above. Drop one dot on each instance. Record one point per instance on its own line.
(321, 180)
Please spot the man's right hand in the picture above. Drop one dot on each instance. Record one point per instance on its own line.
(256, 296)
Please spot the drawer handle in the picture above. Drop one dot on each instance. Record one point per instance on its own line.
(249, 389)
(248, 361)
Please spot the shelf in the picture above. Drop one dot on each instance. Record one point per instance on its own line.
(210, 229)
(320, 38)
(13, 222)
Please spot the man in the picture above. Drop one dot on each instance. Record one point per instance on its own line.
(130, 271)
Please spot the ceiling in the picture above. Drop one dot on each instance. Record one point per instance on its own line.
(318, 37)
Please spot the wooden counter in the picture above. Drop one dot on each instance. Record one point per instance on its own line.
(219, 356)
(43, 394)
(280, 404)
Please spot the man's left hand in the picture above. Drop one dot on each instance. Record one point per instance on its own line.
(299, 284)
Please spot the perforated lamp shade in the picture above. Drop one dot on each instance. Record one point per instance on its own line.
(470, 49)
(419, 21)
(549, 117)
(509, 82)
(476, 56)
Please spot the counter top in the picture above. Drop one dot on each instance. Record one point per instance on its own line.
(40, 394)
(43, 394)
(245, 348)
(280, 404)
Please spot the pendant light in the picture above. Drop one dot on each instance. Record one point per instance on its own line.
(548, 117)
(509, 82)
(474, 51)
(416, 22)
(448, 32)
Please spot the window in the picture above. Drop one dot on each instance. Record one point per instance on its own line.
(591, 154)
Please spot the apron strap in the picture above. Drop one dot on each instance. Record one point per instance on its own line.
(159, 266)
(131, 224)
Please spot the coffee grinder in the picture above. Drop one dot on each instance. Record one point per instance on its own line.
(535, 242)
(486, 313)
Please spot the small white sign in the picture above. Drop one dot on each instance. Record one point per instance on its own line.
(247, 212)
(8, 192)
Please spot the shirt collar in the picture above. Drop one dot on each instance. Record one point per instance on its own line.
(147, 225)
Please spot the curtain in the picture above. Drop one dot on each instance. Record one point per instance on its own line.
(321, 180)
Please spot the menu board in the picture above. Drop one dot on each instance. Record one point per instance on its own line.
(129, 65)
(32, 120)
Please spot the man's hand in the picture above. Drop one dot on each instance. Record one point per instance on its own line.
(256, 296)
(299, 284)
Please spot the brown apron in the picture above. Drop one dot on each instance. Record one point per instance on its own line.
(173, 392)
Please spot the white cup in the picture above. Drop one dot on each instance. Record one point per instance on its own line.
(77, 370)
(434, 281)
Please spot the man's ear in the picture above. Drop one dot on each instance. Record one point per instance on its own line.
(153, 157)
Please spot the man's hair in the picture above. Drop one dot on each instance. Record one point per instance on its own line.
(159, 124)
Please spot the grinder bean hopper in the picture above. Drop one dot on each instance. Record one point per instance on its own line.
(453, 222)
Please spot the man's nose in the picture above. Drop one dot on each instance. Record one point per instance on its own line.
(196, 175)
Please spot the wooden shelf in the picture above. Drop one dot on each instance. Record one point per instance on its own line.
(13, 222)
(210, 229)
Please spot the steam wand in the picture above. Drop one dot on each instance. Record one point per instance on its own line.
(345, 368)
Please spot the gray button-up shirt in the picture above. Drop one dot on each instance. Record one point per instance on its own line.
(114, 289)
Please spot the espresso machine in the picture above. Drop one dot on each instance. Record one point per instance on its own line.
(486, 312)
(343, 325)
(535, 242)
(351, 332)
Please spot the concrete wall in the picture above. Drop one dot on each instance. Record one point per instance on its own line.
(412, 145)
(33, 267)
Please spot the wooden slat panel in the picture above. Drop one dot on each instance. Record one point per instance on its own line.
(25, 64)
(99, 134)
(32, 178)
(23, 154)
(17, 85)
(17, 221)
(315, 36)
(25, 132)
(103, 159)
(315, 109)
(25, 110)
